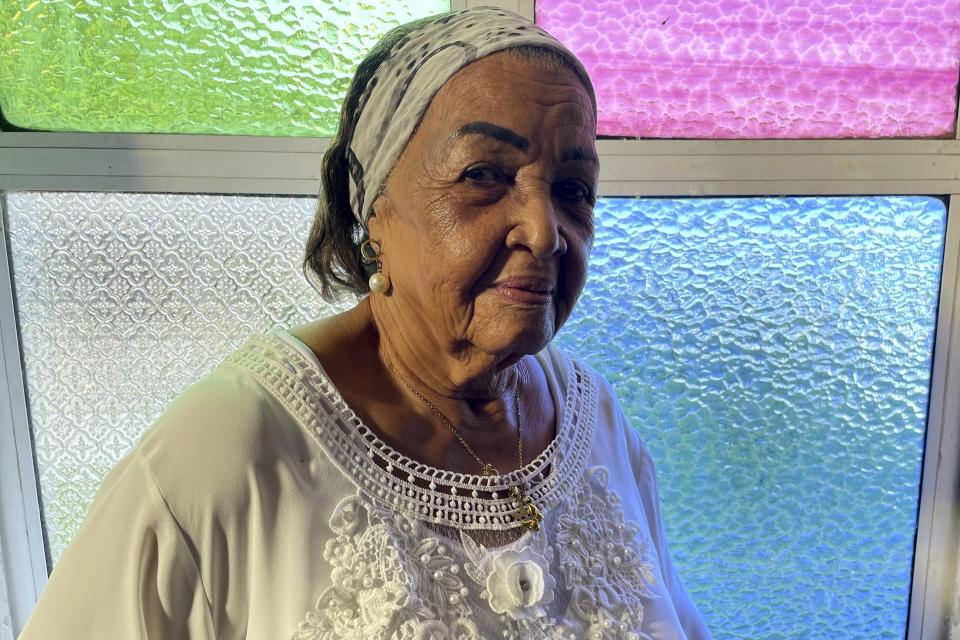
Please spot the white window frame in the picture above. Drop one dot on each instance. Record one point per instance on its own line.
(265, 165)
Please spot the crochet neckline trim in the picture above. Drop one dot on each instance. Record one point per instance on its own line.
(395, 481)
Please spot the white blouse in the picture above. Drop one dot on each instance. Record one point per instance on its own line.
(260, 506)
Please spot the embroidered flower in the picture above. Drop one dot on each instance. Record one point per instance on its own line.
(462, 629)
(520, 584)
(606, 627)
(607, 558)
(348, 516)
(379, 605)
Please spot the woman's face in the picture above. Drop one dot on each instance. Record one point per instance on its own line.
(486, 221)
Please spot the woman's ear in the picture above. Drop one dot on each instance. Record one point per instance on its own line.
(374, 227)
(377, 222)
(376, 230)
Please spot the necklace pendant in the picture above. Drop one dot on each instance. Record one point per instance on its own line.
(488, 469)
(527, 512)
(532, 523)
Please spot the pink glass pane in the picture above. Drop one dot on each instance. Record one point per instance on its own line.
(766, 68)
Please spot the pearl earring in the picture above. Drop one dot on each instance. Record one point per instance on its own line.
(370, 252)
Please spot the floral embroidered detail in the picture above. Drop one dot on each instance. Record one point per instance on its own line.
(520, 584)
(499, 574)
(394, 579)
(584, 575)
(388, 582)
(347, 518)
(436, 630)
(605, 560)
(606, 627)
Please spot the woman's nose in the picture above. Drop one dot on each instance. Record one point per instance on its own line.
(538, 226)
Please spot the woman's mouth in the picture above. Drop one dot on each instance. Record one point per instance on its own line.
(525, 289)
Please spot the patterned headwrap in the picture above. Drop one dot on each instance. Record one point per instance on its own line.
(401, 89)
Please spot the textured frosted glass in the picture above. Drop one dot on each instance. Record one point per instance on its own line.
(124, 301)
(208, 66)
(775, 356)
(773, 353)
(771, 69)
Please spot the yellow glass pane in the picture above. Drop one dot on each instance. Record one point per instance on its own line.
(215, 66)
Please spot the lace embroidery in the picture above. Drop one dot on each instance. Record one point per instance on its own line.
(395, 481)
(394, 579)
(501, 576)
(388, 582)
(606, 559)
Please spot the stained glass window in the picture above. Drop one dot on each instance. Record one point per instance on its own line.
(212, 66)
(773, 353)
(775, 356)
(771, 69)
(152, 293)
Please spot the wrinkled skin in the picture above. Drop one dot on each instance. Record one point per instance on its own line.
(486, 224)
(464, 213)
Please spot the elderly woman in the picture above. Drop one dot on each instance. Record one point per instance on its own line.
(426, 464)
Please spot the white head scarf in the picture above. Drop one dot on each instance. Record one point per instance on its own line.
(398, 94)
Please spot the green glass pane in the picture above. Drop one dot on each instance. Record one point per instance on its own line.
(203, 66)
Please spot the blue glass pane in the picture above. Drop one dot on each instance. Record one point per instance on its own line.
(775, 356)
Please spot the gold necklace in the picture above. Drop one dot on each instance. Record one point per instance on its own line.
(526, 512)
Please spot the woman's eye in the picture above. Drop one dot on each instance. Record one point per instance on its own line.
(574, 191)
(483, 173)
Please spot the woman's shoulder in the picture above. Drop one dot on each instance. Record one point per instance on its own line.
(228, 410)
(220, 435)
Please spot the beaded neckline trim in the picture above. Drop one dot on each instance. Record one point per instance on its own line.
(465, 501)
